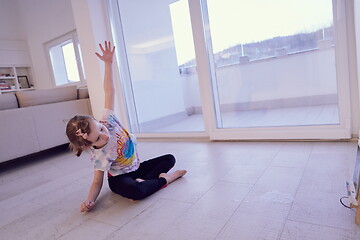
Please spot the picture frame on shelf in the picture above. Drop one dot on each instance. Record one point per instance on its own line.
(23, 82)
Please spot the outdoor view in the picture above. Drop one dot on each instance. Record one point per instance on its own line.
(272, 63)
(256, 29)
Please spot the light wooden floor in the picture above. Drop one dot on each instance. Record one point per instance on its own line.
(233, 190)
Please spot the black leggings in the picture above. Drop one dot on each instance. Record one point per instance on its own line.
(126, 186)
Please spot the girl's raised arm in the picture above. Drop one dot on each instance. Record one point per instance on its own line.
(107, 58)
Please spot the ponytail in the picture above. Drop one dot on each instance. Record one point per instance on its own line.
(77, 143)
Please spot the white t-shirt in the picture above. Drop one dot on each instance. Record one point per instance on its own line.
(119, 155)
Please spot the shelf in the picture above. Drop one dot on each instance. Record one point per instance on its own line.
(8, 90)
(26, 89)
(16, 90)
(15, 76)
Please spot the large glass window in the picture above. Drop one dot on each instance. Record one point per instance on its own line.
(65, 57)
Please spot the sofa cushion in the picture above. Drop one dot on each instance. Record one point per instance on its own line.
(39, 97)
(83, 93)
(8, 101)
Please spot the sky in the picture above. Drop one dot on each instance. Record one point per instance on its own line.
(244, 21)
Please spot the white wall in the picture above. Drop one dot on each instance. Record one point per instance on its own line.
(357, 31)
(43, 20)
(10, 25)
(357, 41)
(354, 69)
(13, 46)
(91, 19)
(295, 76)
(298, 75)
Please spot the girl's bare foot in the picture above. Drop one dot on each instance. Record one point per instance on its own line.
(170, 177)
(139, 180)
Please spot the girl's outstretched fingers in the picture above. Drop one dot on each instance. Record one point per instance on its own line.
(170, 177)
(107, 53)
(101, 47)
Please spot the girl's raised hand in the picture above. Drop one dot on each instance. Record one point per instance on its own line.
(107, 53)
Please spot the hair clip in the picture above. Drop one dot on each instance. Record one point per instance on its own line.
(79, 133)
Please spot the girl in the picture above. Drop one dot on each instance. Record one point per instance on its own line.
(113, 150)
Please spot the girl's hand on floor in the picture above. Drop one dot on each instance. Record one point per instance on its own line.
(86, 206)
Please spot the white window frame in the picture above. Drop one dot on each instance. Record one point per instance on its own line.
(60, 41)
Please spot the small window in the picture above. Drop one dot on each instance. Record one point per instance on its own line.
(66, 61)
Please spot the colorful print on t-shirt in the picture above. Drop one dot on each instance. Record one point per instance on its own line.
(119, 155)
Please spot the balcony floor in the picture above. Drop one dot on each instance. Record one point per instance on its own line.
(294, 116)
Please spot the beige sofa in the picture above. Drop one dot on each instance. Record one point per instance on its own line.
(32, 121)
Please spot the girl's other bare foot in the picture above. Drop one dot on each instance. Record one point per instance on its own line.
(170, 177)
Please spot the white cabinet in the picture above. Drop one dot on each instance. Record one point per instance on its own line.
(15, 78)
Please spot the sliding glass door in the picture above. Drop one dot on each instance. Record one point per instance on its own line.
(244, 69)
(277, 69)
(274, 62)
(159, 69)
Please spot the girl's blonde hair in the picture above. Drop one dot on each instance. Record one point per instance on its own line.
(77, 143)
